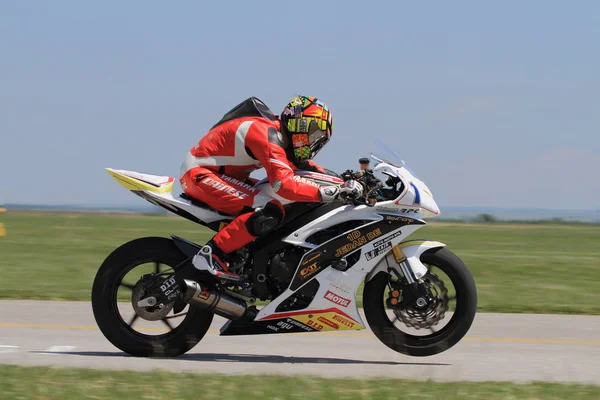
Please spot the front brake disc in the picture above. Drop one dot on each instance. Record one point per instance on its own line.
(432, 315)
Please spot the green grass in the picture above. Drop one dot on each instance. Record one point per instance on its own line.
(56, 256)
(528, 267)
(53, 383)
(541, 268)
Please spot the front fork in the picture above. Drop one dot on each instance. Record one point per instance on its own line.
(404, 266)
(420, 294)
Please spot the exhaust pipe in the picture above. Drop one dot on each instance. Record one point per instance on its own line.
(213, 300)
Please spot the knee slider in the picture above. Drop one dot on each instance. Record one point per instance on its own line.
(265, 220)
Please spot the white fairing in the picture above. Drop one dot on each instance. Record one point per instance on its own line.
(415, 201)
(166, 200)
(415, 197)
(156, 189)
(344, 283)
(338, 289)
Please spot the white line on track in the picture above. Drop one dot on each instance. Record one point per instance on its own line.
(8, 349)
(53, 350)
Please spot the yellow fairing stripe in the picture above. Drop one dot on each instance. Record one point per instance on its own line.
(133, 184)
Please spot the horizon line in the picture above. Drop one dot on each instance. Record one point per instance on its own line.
(150, 206)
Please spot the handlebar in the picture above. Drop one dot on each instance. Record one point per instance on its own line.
(374, 188)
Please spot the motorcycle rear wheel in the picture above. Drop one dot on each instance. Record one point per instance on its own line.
(109, 277)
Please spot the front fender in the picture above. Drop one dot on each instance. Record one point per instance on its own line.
(412, 250)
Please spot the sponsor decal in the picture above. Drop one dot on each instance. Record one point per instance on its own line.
(397, 210)
(338, 284)
(273, 328)
(308, 271)
(398, 218)
(373, 234)
(314, 325)
(386, 209)
(239, 183)
(312, 258)
(284, 325)
(387, 239)
(204, 294)
(339, 300)
(224, 188)
(328, 322)
(357, 239)
(381, 246)
(344, 245)
(343, 321)
(167, 284)
(300, 179)
(342, 288)
(169, 288)
(332, 319)
(378, 251)
(298, 324)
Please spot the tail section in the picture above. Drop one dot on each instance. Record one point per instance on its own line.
(158, 191)
(136, 181)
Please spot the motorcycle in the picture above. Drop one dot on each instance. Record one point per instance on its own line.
(303, 277)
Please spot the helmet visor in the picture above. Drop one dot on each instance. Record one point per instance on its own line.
(312, 134)
(317, 138)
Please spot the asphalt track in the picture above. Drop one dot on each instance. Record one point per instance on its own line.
(499, 347)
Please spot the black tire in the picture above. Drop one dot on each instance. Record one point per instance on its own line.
(445, 338)
(104, 302)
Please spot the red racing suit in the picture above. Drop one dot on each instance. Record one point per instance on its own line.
(217, 172)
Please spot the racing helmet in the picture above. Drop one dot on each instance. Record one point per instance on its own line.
(308, 125)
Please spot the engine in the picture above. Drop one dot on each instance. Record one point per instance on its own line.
(283, 264)
(282, 267)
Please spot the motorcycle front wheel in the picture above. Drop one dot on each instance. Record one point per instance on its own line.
(400, 329)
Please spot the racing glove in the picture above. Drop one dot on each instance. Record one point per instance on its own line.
(348, 190)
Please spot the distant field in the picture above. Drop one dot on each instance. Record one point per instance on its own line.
(541, 268)
(54, 383)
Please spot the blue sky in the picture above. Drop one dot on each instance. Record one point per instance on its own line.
(492, 103)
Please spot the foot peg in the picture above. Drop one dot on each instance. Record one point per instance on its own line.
(203, 261)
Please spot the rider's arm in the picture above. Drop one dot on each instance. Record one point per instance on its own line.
(266, 145)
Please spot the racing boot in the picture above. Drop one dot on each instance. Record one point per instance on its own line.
(212, 259)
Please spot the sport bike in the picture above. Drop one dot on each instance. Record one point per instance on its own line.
(418, 297)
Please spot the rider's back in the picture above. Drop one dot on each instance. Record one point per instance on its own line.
(228, 147)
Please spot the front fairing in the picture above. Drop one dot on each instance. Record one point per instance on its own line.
(414, 196)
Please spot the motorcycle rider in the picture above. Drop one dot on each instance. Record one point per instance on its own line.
(250, 136)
